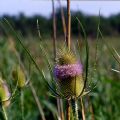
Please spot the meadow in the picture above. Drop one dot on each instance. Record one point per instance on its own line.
(102, 103)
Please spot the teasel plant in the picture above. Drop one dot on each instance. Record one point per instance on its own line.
(20, 81)
(5, 23)
(24, 80)
(68, 76)
(68, 71)
(5, 97)
(73, 68)
(21, 77)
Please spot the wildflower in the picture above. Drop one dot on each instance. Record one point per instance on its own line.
(68, 72)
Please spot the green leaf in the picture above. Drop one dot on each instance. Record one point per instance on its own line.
(87, 55)
(18, 38)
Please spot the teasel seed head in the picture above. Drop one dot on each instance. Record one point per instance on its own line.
(68, 72)
(66, 57)
(19, 77)
(4, 93)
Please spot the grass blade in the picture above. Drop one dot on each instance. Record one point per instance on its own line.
(87, 55)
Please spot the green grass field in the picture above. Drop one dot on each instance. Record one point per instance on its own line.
(103, 103)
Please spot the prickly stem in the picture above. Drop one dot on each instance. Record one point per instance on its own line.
(74, 108)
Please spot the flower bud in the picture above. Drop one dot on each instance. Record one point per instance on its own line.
(68, 72)
(19, 77)
(4, 93)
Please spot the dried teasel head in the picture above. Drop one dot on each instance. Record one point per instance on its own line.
(68, 71)
(4, 93)
(19, 77)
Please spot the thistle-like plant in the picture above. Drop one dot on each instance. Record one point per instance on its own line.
(19, 77)
(20, 81)
(68, 73)
(68, 76)
(4, 97)
(67, 80)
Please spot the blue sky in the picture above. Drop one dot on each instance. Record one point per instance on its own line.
(43, 7)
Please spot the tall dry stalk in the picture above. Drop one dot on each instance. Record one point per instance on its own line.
(54, 31)
(68, 45)
(83, 109)
(68, 41)
(63, 19)
(59, 101)
(68, 110)
(37, 101)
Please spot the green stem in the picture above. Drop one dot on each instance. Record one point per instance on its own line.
(22, 104)
(74, 108)
(4, 113)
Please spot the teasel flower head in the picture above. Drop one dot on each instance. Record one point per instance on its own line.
(68, 73)
(4, 93)
(19, 77)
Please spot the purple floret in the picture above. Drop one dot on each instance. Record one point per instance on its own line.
(65, 71)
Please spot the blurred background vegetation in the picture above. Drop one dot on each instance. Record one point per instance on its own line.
(27, 25)
(103, 103)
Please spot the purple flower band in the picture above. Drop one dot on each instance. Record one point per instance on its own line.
(65, 71)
